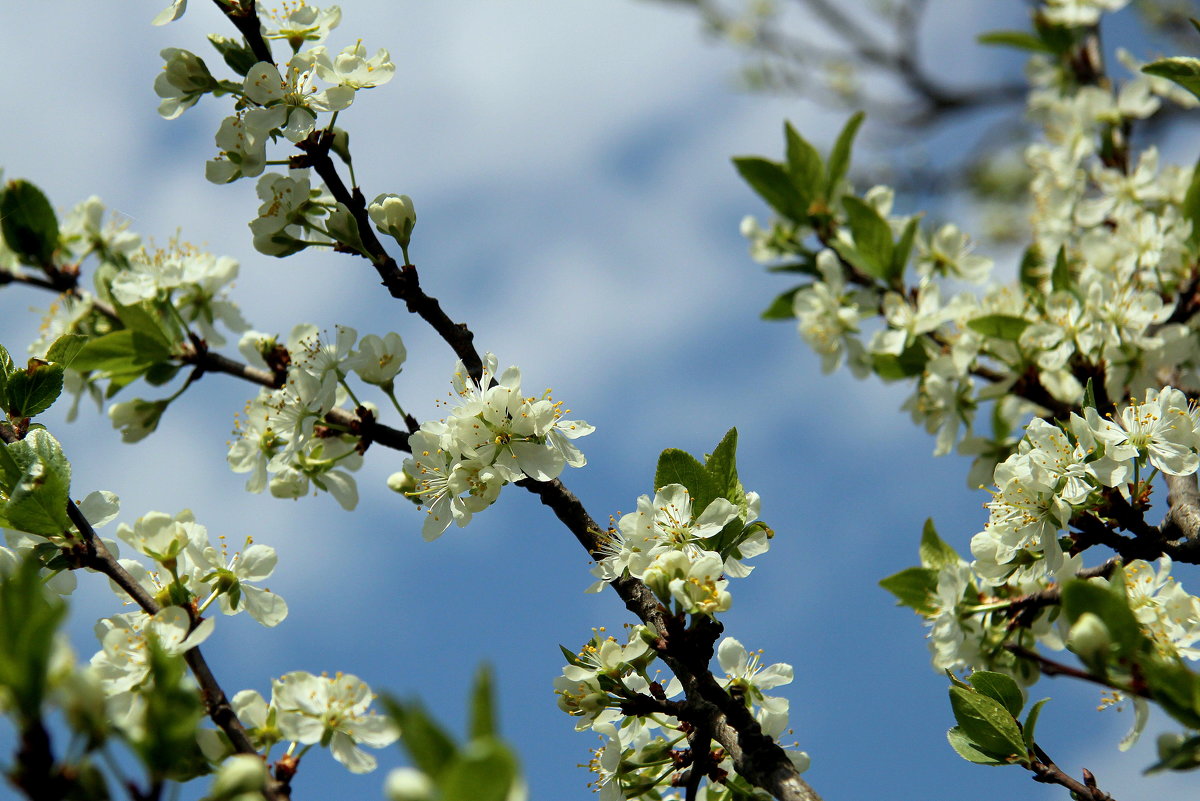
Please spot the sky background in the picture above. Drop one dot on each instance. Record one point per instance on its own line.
(569, 162)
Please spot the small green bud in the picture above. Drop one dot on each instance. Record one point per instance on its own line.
(342, 226)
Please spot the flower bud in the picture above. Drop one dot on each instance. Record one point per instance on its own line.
(1089, 637)
(395, 216)
(666, 567)
(342, 226)
(277, 243)
(409, 784)
(186, 71)
(137, 418)
(377, 360)
(183, 81)
(404, 484)
(242, 773)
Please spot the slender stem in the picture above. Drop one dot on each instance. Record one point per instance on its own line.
(1049, 667)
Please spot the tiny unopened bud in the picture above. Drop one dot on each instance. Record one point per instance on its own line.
(402, 483)
(395, 216)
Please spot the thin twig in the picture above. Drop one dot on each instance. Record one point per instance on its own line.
(1047, 772)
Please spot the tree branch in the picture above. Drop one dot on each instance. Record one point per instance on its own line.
(1047, 772)
(1050, 668)
(1181, 526)
(244, 16)
(402, 283)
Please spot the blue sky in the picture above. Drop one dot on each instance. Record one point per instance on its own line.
(570, 167)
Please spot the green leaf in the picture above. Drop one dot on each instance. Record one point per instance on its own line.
(1058, 38)
(1021, 40)
(483, 715)
(64, 349)
(999, 326)
(999, 687)
(484, 771)
(429, 746)
(872, 238)
(38, 498)
(1031, 723)
(968, 750)
(804, 166)
(173, 710)
(7, 368)
(28, 223)
(904, 248)
(915, 587)
(33, 390)
(839, 157)
(1110, 606)
(988, 725)
(1176, 753)
(1060, 277)
(238, 56)
(145, 318)
(124, 351)
(1175, 688)
(773, 183)
(1089, 395)
(806, 264)
(721, 465)
(10, 470)
(1031, 269)
(935, 553)
(910, 362)
(1182, 70)
(28, 620)
(783, 307)
(1191, 207)
(680, 467)
(161, 373)
(571, 657)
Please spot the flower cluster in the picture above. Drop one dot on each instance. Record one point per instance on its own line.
(191, 568)
(273, 101)
(1101, 315)
(1058, 472)
(189, 573)
(192, 281)
(284, 442)
(1109, 246)
(280, 101)
(673, 549)
(308, 710)
(492, 436)
(605, 676)
(1058, 475)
